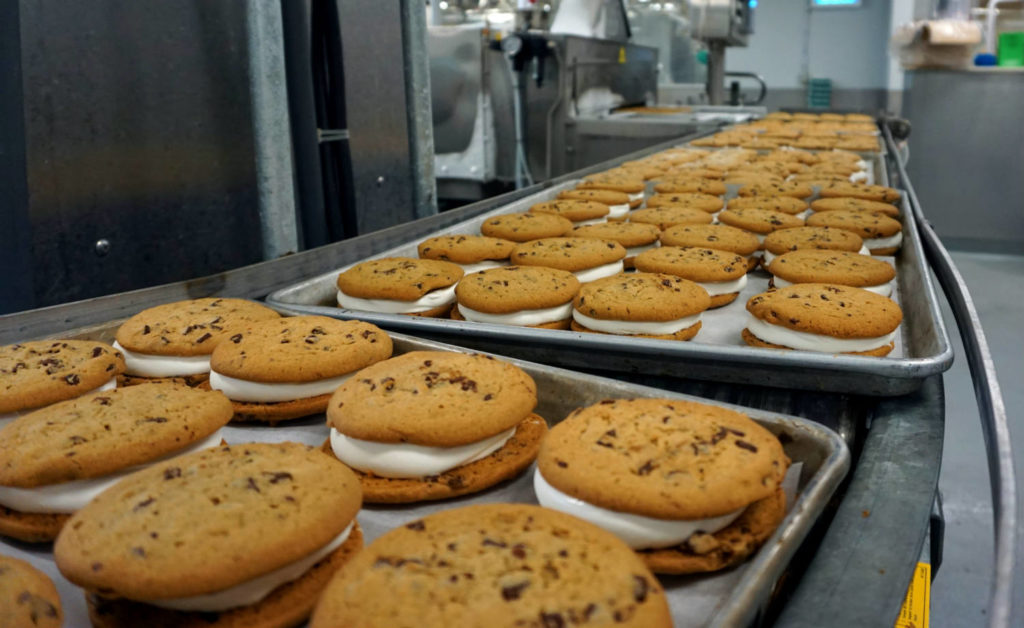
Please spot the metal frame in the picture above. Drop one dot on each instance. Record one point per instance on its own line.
(994, 424)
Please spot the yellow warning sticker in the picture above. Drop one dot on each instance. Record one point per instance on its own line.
(622, 54)
(914, 613)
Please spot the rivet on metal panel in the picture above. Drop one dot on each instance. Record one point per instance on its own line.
(380, 181)
(102, 247)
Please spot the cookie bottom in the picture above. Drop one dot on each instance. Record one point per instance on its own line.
(753, 262)
(682, 334)
(457, 316)
(886, 251)
(31, 527)
(437, 312)
(288, 605)
(728, 546)
(191, 381)
(754, 341)
(252, 412)
(720, 300)
(508, 462)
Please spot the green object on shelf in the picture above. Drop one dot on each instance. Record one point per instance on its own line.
(702, 57)
(819, 93)
(1011, 49)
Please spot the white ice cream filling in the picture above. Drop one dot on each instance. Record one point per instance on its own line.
(522, 317)
(271, 392)
(252, 591)
(429, 301)
(639, 196)
(406, 460)
(884, 289)
(633, 328)
(599, 272)
(486, 264)
(618, 211)
(633, 251)
(716, 288)
(592, 221)
(69, 497)
(7, 417)
(637, 531)
(806, 341)
(884, 243)
(152, 365)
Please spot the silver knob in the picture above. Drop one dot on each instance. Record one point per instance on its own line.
(102, 247)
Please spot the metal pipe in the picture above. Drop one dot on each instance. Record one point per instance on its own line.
(553, 47)
(716, 72)
(994, 424)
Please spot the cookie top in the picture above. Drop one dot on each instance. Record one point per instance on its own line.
(847, 203)
(240, 511)
(432, 398)
(695, 264)
(759, 220)
(516, 288)
(720, 237)
(691, 171)
(662, 458)
(842, 267)
(690, 186)
(526, 226)
(571, 254)
(574, 210)
(28, 598)
(616, 183)
(300, 349)
(494, 565)
(628, 234)
(825, 238)
(827, 309)
(696, 200)
(103, 432)
(752, 178)
(605, 197)
(864, 224)
(189, 328)
(666, 216)
(641, 297)
(398, 278)
(465, 249)
(36, 374)
(784, 204)
(777, 188)
(861, 190)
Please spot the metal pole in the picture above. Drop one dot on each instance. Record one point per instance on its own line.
(419, 111)
(716, 72)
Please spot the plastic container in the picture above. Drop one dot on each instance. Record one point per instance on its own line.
(1011, 49)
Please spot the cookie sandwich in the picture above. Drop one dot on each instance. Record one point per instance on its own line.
(864, 191)
(174, 341)
(635, 237)
(430, 425)
(803, 238)
(855, 204)
(527, 296)
(400, 285)
(634, 186)
(648, 305)
(882, 235)
(586, 258)
(835, 267)
(28, 598)
(667, 216)
(719, 237)
(289, 367)
(695, 200)
(578, 212)
(759, 222)
(495, 565)
(783, 204)
(525, 226)
(777, 188)
(241, 535)
(720, 273)
(618, 202)
(689, 486)
(825, 318)
(57, 459)
(471, 252)
(714, 187)
(36, 374)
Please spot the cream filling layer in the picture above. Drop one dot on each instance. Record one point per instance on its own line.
(599, 272)
(68, 497)
(7, 417)
(805, 341)
(884, 289)
(429, 301)
(252, 591)
(522, 317)
(618, 211)
(716, 288)
(486, 264)
(769, 256)
(639, 196)
(637, 531)
(592, 221)
(406, 460)
(270, 392)
(884, 243)
(633, 251)
(152, 365)
(633, 328)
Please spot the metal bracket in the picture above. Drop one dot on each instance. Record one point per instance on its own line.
(331, 135)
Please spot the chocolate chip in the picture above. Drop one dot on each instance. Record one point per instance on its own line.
(607, 402)
(519, 550)
(646, 468)
(97, 566)
(551, 620)
(719, 435)
(72, 379)
(277, 476)
(78, 440)
(103, 401)
(456, 482)
(138, 551)
(146, 502)
(250, 484)
(146, 330)
(428, 363)
(742, 444)
(204, 338)
(97, 351)
(172, 472)
(562, 463)
(494, 543)
(469, 385)
(512, 592)
(153, 419)
(418, 526)
(488, 397)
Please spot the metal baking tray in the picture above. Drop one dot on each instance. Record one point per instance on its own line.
(923, 348)
(733, 597)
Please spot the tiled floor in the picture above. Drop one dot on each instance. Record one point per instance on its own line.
(960, 590)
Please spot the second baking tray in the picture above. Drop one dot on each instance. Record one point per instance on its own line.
(922, 350)
(729, 598)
